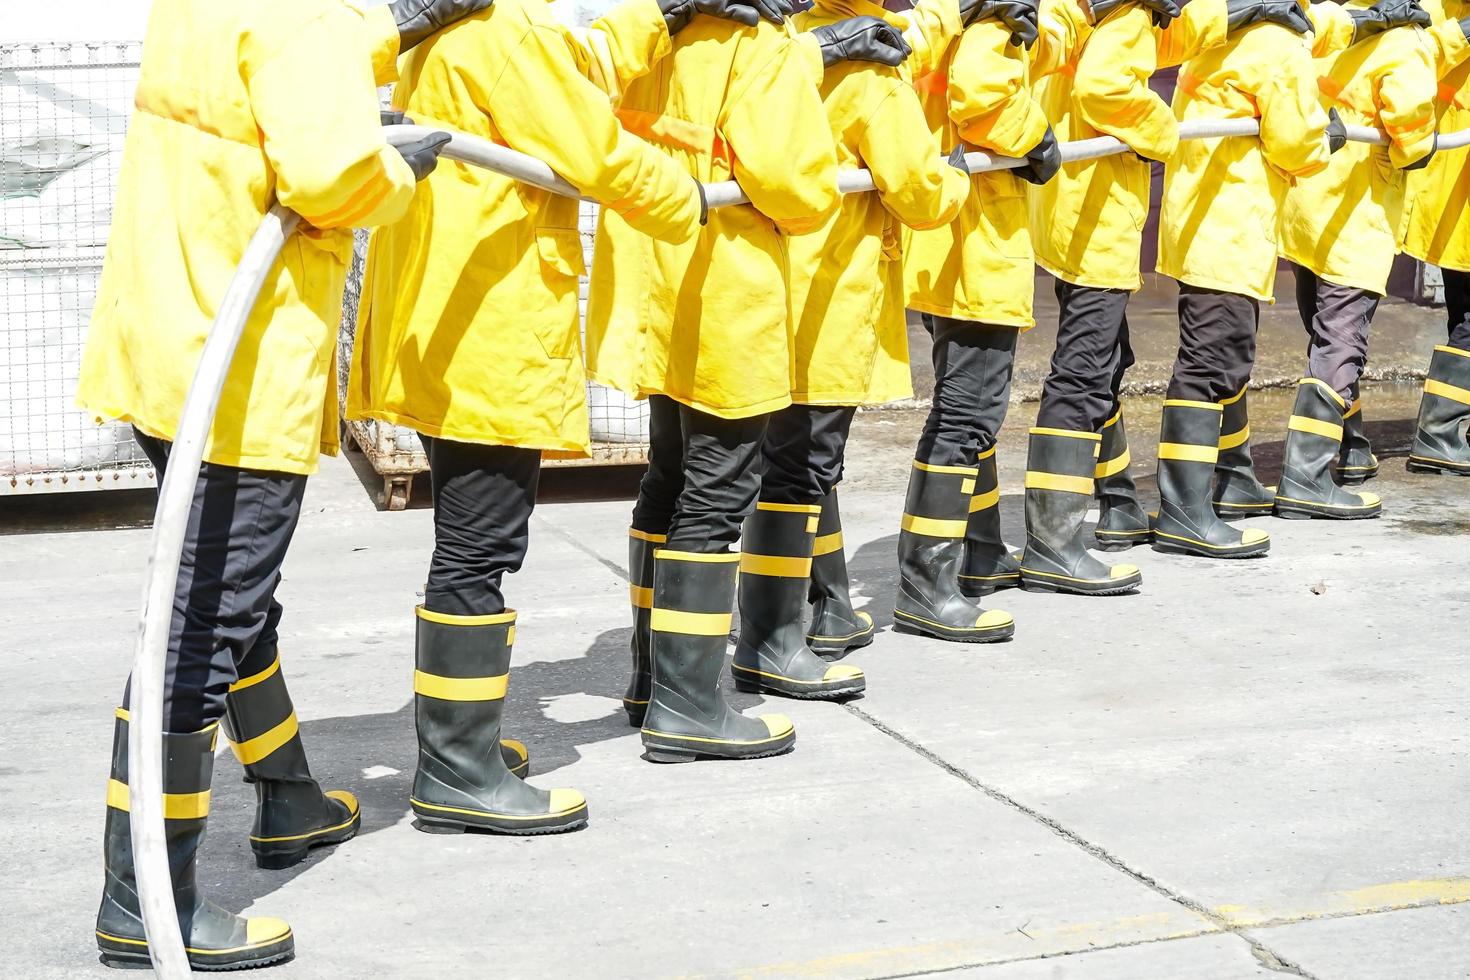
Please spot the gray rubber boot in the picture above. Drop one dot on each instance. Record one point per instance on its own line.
(1313, 443)
(931, 546)
(1059, 487)
(837, 627)
(1357, 464)
(1237, 491)
(771, 655)
(463, 783)
(688, 718)
(1440, 442)
(640, 596)
(214, 939)
(989, 564)
(1189, 448)
(1121, 521)
(292, 814)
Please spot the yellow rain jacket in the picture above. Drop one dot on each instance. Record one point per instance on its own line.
(708, 322)
(979, 267)
(1220, 219)
(1343, 223)
(470, 330)
(1437, 219)
(847, 298)
(1088, 220)
(239, 104)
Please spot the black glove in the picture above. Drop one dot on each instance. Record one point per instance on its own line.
(1465, 27)
(1042, 161)
(1336, 132)
(1388, 14)
(422, 156)
(392, 117)
(956, 159)
(1164, 11)
(417, 19)
(703, 204)
(678, 13)
(1020, 16)
(862, 39)
(1423, 161)
(1287, 13)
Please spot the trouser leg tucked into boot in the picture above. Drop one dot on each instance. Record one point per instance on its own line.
(213, 938)
(836, 627)
(292, 814)
(640, 593)
(1440, 442)
(989, 564)
(931, 545)
(460, 682)
(1059, 487)
(688, 717)
(775, 572)
(1189, 440)
(1121, 521)
(1237, 491)
(1313, 442)
(1356, 464)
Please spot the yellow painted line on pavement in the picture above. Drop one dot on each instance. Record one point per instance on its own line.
(1389, 897)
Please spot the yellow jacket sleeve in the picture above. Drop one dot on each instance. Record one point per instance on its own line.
(383, 40)
(1451, 47)
(622, 45)
(776, 125)
(1332, 28)
(331, 164)
(989, 99)
(1061, 29)
(933, 24)
(1406, 107)
(1112, 93)
(1293, 122)
(1203, 25)
(540, 101)
(913, 180)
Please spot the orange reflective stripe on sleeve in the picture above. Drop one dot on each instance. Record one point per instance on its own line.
(675, 133)
(359, 205)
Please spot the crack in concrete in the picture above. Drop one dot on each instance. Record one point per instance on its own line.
(1267, 958)
(570, 539)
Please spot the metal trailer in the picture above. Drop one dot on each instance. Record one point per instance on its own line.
(64, 110)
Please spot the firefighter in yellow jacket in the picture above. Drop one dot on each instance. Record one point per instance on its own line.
(703, 330)
(850, 347)
(240, 105)
(1340, 231)
(471, 338)
(1437, 230)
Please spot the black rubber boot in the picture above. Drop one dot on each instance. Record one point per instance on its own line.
(463, 783)
(292, 814)
(836, 628)
(640, 596)
(213, 938)
(1121, 521)
(931, 546)
(989, 564)
(688, 718)
(1313, 442)
(1189, 448)
(771, 655)
(1357, 464)
(1059, 485)
(1440, 443)
(1237, 491)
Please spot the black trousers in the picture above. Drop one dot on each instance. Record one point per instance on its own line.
(240, 525)
(803, 451)
(972, 389)
(1217, 343)
(1092, 354)
(703, 476)
(483, 498)
(1457, 305)
(1337, 320)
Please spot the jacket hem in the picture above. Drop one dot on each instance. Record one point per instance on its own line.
(576, 450)
(1219, 285)
(766, 407)
(1379, 288)
(239, 461)
(1090, 282)
(981, 320)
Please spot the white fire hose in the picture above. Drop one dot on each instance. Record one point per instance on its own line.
(176, 492)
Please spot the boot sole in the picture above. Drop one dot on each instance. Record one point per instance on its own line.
(1121, 540)
(903, 623)
(837, 645)
(1304, 511)
(120, 950)
(668, 747)
(1199, 549)
(987, 584)
(750, 681)
(432, 818)
(1236, 511)
(636, 710)
(292, 851)
(1419, 464)
(1052, 582)
(1355, 477)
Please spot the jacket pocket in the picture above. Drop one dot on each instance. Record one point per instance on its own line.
(562, 262)
(561, 251)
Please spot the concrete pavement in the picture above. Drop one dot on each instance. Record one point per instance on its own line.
(1249, 769)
